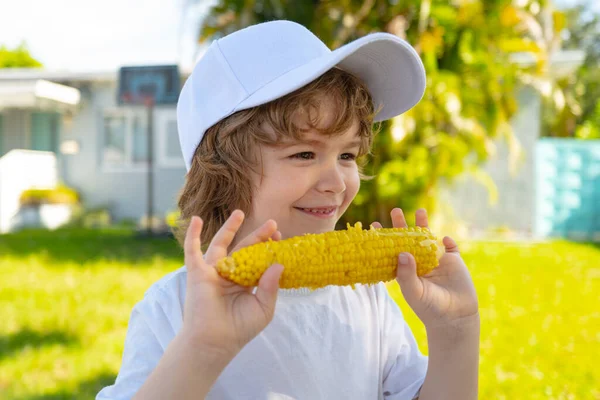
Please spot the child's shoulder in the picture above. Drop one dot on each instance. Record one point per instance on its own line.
(171, 285)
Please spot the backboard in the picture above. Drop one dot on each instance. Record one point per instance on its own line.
(139, 84)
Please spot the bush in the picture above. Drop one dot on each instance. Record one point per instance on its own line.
(172, 217)
(58, 195)
(98, 217)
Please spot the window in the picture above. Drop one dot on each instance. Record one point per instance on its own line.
(1, 136)
(169, 151)
(140, 140)
(45, 131)
(125, 139)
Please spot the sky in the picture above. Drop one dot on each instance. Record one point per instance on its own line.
(102, 35)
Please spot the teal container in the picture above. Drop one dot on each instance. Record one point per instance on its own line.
(567, 179)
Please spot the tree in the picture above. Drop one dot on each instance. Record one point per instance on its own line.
(569, 106)
(546, 27)
(470, 97)
(584, 33)
(18, 57)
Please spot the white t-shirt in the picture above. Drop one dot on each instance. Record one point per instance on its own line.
(330, 343)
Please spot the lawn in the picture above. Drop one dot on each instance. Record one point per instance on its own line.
(65, 300)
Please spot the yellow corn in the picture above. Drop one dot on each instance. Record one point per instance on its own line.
(342, 258)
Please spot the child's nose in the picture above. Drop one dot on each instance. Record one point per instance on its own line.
(331, 179)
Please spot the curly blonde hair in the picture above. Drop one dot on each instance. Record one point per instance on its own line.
(218, 181)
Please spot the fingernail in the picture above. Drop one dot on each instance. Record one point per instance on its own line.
(403, 258)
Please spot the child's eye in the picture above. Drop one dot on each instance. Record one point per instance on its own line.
(305, 155)
(348, 156)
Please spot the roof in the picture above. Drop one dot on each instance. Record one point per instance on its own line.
(37, 94)
(26, 74)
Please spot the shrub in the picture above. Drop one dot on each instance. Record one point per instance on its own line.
(58, 195)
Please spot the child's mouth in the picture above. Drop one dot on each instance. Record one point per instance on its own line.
(319, 212)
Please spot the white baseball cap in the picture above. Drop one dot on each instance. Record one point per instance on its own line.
(263, 62)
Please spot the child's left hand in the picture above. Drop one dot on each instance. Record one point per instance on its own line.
(445, 296)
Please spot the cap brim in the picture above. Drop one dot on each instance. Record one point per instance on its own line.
(390, 68)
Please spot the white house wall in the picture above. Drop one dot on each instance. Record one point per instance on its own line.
(123, 192)
(516, 194)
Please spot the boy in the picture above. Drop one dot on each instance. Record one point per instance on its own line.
(272, 127)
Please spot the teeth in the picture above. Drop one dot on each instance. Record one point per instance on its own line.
(313, 210)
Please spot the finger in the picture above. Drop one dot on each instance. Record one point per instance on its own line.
(268, 285)
(421, 218)
(261, 234)
(191, 244)
(406, 275)
(221, 241)
(450, 245)
(376, 225)
(276, 236)
(398, 220)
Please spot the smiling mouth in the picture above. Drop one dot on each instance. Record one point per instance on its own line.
(319, 211)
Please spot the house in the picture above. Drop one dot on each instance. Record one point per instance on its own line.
(68, 127)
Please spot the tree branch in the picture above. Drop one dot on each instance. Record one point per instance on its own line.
(349, 28)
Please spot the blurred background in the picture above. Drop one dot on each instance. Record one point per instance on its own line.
(503, 150)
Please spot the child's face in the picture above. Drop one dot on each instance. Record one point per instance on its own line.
(306, 186)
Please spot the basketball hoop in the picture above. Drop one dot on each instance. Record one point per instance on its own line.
(148, 86)
(145, 85)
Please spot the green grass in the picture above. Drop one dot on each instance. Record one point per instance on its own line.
(540, 319)
(65, 300)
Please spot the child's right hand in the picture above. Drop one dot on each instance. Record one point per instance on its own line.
(220, 316)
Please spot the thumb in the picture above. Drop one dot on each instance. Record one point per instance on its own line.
(268, 285)
(406, 275)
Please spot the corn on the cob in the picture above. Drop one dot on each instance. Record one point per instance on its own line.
(345, 257)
